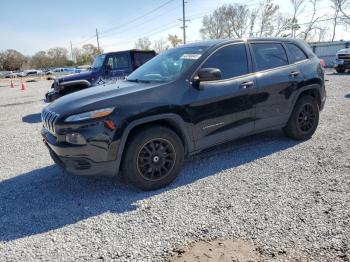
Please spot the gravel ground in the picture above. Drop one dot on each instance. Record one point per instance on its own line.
(290, 199)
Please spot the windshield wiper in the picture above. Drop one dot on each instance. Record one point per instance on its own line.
(139, 81)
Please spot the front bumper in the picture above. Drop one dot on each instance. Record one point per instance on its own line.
(85, 160)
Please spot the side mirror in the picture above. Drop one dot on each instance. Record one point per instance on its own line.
(207, 74)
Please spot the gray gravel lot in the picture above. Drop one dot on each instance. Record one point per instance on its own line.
(291, 199)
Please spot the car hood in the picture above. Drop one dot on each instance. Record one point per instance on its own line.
(344, 51)
(81, 76)
(97, 97)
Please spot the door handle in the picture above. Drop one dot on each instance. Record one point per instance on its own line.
(294, 73)
(247, 84)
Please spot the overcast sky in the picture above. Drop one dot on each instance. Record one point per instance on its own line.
(31, 26)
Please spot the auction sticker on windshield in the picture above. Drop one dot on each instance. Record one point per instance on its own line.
(191, 56)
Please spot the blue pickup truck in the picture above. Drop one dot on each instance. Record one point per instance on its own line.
(106, 68)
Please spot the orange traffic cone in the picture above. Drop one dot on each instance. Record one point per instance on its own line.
(12, 85)
(23, 86)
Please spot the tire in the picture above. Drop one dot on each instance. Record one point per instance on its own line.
(303, 122)
(340, 70)
(153, 158)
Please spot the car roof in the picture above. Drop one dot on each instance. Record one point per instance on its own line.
(130, 50)
(216, 42)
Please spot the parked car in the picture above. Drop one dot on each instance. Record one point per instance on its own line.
(8, 74)
(106, 68)
(27, 73)
(183, 101)
(342, 61)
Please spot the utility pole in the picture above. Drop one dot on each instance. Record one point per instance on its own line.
(98, 41)
(71, 51)
(184, 21)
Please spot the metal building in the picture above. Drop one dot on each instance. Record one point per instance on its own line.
(328, 50)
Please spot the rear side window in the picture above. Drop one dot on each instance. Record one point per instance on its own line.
(296, 54)
(141, 58)
(269, 56)
(231, 60)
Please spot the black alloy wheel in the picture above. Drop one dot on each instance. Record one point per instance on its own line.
(306, 118)
(153, 157)
(303, 121)
(156, 159)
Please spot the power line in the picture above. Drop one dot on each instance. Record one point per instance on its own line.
(127, 29)
(153, 32)
(124, 24)
(137, 18)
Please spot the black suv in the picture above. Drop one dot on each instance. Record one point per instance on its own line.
(183, 101)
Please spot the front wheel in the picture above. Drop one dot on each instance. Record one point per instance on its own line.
(303, 122)
(153, 158)
(340, 70)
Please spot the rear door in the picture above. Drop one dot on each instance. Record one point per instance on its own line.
(223, 110)
(277, 80)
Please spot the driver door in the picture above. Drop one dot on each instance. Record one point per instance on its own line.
(224, 109)
(118, 66)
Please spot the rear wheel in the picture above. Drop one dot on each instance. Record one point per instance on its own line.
(304, 119)
(153, 158)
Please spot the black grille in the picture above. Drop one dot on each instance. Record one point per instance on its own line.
(344, 56)
(82, 164)
(49, 119)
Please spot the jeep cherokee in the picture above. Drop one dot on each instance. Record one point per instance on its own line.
(185, 100)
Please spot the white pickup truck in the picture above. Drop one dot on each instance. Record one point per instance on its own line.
(342, 60)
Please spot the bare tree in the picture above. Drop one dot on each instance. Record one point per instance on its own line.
(282, 24)
(237, 18)
(214, 24)
(297, 6)
(160, 45)
(11, 60)
(336, 8)
(344, 5)
(40, 60)
(174, 40)
(143, 43)
(267, 18)
(252, 20)
(58, 56)
(313, 20)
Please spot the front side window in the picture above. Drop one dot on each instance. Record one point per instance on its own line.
(269, 56)
(231, 60)
(118, 61)
(296, 53)
(169, 65)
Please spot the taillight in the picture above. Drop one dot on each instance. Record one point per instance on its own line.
(322, 63)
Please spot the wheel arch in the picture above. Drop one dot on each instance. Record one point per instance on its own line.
(171, 121)
(76, 84)
(312, 90)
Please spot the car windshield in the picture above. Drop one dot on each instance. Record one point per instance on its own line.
(98, 62)
(167, 66)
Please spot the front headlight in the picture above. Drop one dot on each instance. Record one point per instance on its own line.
(90, 115)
